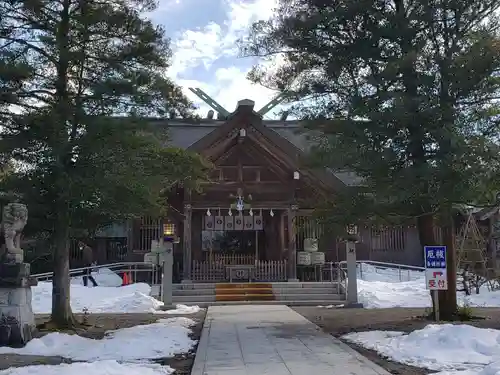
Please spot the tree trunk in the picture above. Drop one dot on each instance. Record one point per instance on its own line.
(425, 225)
(448, 298)
(62, 316)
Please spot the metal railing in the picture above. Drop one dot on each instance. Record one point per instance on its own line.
(403, 270)
(318, 273)
(268, 271)
(138, 271)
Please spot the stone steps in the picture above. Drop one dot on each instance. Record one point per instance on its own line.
(193, 292)
(309, 297)
(192, 300)
(233, 291)
(280, 291)
(244, 297)
(244, 292)
(204, 304)
(289, 293)
(243, 286)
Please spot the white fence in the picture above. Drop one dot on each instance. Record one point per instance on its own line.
(271, 270)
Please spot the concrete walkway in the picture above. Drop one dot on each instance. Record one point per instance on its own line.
(274, 340)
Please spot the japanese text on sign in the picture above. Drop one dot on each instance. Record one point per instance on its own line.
(436, 279)
(435, 256)
(439, 284)
(435, 267)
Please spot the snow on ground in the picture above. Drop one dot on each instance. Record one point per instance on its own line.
(492, 369)
(452, 349)
(163, 338)
(94, 368)
(133, 298)
(386, 288)
(108, 297)
(181, 309)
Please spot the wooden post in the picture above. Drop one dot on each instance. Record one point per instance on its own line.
(292, 246)
(187, 244)
(282, 240)
(435, 297)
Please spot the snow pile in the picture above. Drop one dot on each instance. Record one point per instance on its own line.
(133, 298)
(383, 294)
(103, 276)
(493, 369)
(164, 338)
(387, 288)
(94, 368)
(181, 309)
(369, 272)
(453, 349)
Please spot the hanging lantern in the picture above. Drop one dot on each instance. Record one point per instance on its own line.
(208, 212)
(271, 213)
(169, 232)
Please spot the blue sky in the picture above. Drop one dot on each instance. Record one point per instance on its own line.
(204, 34)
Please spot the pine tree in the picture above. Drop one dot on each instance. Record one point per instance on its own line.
(401, 92)
(78, 79)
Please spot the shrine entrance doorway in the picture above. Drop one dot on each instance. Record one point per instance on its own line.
(240, 241)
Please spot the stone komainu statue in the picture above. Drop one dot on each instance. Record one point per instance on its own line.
(14, 219)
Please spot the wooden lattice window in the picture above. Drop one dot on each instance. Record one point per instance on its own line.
(149, 229)
(388, 239)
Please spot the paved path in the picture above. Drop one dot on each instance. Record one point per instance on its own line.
(274, 340)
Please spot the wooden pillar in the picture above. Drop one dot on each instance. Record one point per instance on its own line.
(187, 258)
(283, 240)
(292, 245)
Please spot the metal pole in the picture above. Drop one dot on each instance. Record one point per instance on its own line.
(436, 305)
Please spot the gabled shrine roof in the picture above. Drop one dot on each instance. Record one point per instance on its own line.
(184, 133)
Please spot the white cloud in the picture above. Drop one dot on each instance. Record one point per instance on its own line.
(243, 14)
(196, 47)
(212, 41)
(205, 45)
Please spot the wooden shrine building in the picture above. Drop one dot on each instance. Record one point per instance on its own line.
(249, 212)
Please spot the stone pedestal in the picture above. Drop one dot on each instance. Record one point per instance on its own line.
(17, 321)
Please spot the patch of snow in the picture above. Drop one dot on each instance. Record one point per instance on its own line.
(103, 277)
(492, 369)
(453, 349)
(181, 309)
(133, 298)
(163, 338)
(370, 272)
(386, 288)
(94, 368)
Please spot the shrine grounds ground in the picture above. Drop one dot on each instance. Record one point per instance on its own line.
(338, 322)
(335, 321)
(98, 325)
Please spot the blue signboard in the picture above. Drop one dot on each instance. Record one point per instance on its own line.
(435, 256)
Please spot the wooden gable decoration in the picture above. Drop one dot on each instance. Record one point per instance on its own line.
(244, 123)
